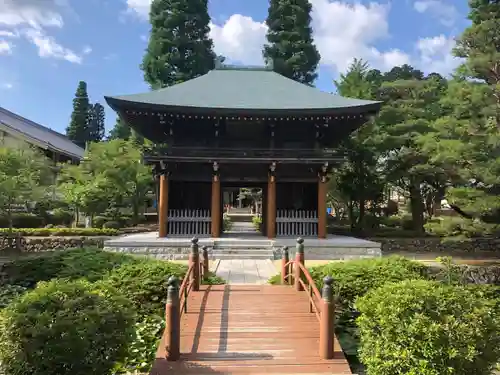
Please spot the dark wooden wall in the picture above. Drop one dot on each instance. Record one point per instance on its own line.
(190, 195)
(297, 196)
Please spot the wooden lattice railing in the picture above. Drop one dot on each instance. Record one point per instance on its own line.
(293, 272)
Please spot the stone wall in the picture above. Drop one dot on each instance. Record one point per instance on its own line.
(38, 244)
(435, 245)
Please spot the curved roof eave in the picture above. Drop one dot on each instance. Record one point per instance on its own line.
(121, 105)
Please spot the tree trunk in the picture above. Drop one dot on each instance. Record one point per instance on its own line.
(362, 211)
(417, 206)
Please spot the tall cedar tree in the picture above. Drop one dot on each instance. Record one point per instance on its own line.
(290, 46)
(97, 118)
(179, 47)
(77, 130)
(120, 131)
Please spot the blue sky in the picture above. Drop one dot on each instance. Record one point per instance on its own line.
(47, 46)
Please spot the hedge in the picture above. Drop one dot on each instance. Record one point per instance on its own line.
(425, 327)
(65, 328)
(59, 232)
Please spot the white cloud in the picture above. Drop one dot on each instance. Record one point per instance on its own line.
(139, 7)
(49, 48)
(7, 86)
(239, 39)
(87, 50)
(435, 54)
(31, 19)
(343, 30)
(5, 47)
(447, 14)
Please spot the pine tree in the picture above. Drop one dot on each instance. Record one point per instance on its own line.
(96, 122)
(179, 47)
(120, 131)
(290, 46)
(77, 130)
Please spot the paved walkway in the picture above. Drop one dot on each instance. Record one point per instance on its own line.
(246, 271)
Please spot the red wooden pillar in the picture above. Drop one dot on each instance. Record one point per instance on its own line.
(173, 322)
(322, 191)
(163, 207)
(216, 204)
(271, 206)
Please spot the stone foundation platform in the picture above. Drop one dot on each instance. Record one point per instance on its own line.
(241, 247)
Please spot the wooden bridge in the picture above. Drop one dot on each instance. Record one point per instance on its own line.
(250, 329)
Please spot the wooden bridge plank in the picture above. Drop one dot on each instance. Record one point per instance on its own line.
(249, 329)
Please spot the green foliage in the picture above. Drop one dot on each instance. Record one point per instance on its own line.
(58, 232)
(112, 175)
(257, 222)
(423, 327)
(92, 264)
(357, 277)
(111, 225)
(145, 283)
(10, 292)
(24, 176)
(78, 130)
(227, 224)
(98, 221)
(290, 45)
(59, 216)
(179, 45)
(22, 220)
(460, 228)
(120, 131)
(142, 348)
(65, 328)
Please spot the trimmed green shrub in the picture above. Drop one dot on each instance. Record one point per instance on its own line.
(355, 278)
(460, 228)
(60, 232)
(99, 221)
(426, 328)
(10, 292)
(23, 220)
(64, 328)
(145, 283)
(60, 216)
(92, 264)
(112, 225)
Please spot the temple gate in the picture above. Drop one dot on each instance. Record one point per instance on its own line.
(237, 126)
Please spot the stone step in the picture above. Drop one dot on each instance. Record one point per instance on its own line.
(242, 256)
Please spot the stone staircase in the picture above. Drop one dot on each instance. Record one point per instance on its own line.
(243, 249)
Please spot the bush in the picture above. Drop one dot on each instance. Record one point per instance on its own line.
(99, 221)
(92, 264)
(145, 283)
(112, 225)
(10, 292)
(60, 232)
(423, 327)
(355, 278)
(460, 228)
(65, 328)
(142, 348)
(23, 220)
(60, 216)
(257, 222)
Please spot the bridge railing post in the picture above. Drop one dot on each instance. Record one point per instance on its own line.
(204, 250)
(194, 259)
(173, 321)
(285, 258)
(327, 320)
(299, 258)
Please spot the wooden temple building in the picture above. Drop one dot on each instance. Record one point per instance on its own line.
(242, 127)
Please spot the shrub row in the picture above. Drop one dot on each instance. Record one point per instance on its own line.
(26, 220)
(406, 318)
(85, 311)
(59, 232)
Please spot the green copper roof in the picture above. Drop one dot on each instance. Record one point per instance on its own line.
(242, 89)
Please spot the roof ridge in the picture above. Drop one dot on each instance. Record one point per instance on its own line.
(255, 68)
